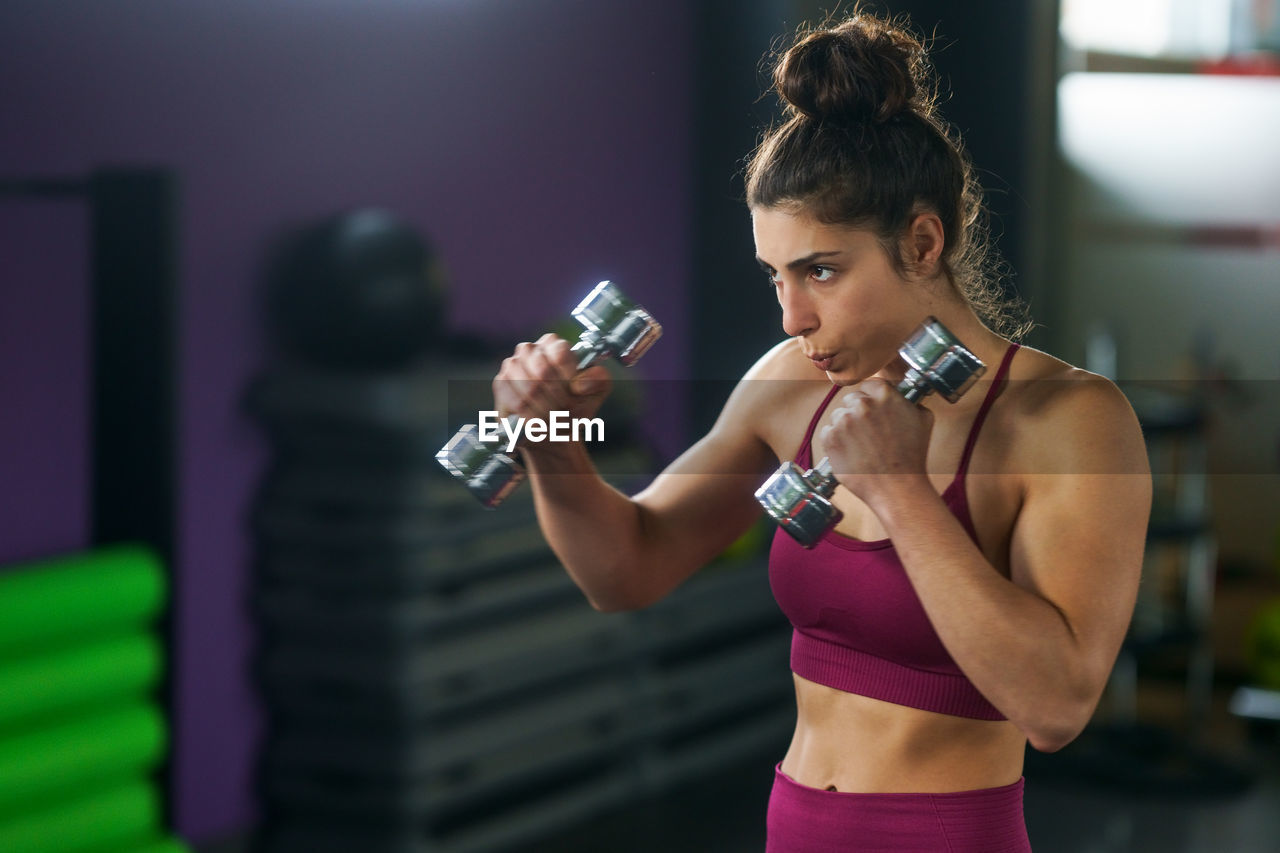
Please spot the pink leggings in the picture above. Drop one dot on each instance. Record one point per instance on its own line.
(808, 820)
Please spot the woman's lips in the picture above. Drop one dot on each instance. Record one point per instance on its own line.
(823, 363)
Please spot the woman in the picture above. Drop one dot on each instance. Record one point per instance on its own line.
(976, 592)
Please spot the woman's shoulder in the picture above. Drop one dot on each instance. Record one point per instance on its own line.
(783, 361)
(784, 376)
(1048, 387)
(1065, 416)
(781, 383)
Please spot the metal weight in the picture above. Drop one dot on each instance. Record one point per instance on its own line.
(613, 327)
(487, 472)
(936, 361)
(798, 501)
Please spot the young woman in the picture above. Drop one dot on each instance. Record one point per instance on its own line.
(976, 592)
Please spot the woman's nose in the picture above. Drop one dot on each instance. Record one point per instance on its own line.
(798, 316)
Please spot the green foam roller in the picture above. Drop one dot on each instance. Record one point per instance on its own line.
(70, 756)
(109, 818)
(53, 682)
(79, 595)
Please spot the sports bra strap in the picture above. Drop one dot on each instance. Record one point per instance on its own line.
(806, 446)
(996, 383)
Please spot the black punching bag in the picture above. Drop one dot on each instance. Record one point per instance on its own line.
(357, 291)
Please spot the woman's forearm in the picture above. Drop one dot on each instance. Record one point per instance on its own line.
(595, 530)
(1016, 647)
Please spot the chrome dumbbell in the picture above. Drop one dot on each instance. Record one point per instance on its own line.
(613, 327)
(799, 500)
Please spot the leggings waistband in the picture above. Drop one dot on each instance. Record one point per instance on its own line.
(809, 820)
(1012, 789)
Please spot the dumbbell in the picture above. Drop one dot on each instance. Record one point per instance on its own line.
(798, 500)
(613, 327)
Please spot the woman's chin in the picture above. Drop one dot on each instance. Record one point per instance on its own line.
(843, 377)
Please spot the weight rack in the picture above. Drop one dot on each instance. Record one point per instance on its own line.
(434, 681)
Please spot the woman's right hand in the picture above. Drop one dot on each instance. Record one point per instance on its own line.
(542, 377)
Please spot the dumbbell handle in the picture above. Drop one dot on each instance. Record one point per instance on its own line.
(913, 386)
(588, 354)
(821, 478)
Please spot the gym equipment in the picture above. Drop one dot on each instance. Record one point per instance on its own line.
(431, 676)
(614, 327)
(86, 674)
(103, 746)
(358, 290)
(78, 596)
(936, 362)
(105, 818)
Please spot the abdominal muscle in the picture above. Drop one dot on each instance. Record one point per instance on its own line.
(856, 744)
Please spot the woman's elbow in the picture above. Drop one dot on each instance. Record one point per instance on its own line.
(1051, 740)
(1060, 727)
(620, 599)
(612, 604)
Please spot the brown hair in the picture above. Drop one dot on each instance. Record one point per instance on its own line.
(863, 144)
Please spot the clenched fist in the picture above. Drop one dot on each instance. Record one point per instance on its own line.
(874, 431)
(542, 377)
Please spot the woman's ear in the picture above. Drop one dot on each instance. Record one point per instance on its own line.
(923, 243)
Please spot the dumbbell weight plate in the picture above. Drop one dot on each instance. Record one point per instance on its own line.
(937, 361)
(488, 473)
(793, 499)
(614, 327)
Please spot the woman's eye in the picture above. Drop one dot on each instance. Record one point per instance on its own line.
(822, 273)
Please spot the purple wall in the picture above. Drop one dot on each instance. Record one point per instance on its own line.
(540, 145)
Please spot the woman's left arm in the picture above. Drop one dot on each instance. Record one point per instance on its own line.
(1041, 644)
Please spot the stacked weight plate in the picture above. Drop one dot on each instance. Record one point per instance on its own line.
(81, 730)
(715, 675)
(434, 681)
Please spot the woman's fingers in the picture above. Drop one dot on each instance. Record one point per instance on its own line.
(541, 377)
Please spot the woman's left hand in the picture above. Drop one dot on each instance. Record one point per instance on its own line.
(873, 432)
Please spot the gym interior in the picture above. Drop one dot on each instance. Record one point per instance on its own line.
(260, 259)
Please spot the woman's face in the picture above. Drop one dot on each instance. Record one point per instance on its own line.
(839, 293)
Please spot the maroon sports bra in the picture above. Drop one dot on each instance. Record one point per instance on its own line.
(859, 625)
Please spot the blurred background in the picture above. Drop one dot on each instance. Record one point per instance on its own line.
(257, 261)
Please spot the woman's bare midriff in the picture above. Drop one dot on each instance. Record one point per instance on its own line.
(856, 744)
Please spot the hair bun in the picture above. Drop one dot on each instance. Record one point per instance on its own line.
(865, 69)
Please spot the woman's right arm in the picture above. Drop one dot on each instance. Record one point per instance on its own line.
(628, 552)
